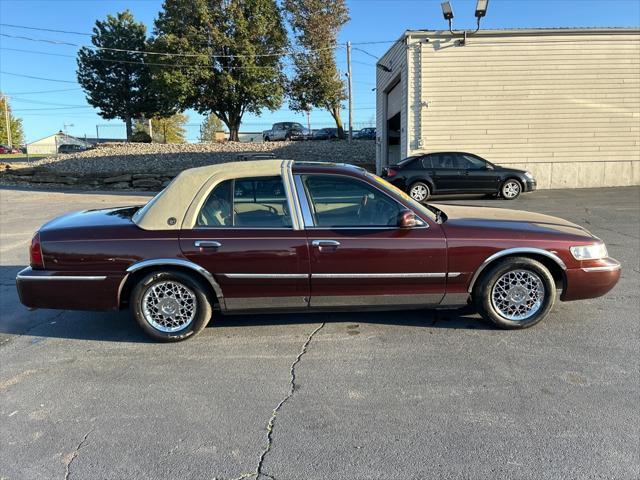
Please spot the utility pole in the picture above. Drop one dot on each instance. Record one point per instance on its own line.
(7, 120)
(150, 130)
(350, 92)
(309, 122)
(97, 134)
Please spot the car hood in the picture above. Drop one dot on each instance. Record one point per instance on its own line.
(502, 218)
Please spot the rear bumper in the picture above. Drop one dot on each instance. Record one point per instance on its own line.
(592, 281)
(68, 290)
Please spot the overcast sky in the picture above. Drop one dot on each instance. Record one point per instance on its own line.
(371, 21)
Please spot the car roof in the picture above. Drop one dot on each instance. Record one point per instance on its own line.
(178, 204)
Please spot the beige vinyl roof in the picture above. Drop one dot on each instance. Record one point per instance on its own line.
(177, 205)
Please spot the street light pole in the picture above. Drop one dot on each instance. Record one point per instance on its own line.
(350, 92)
(7, 120)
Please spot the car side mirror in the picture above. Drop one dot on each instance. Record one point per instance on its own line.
(489, 166)
(407, 219)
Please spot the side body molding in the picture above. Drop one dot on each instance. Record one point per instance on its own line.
(514, 251)
(178, 263)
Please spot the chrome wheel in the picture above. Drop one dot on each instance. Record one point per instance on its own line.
(511, 189)
(419, 192)
(518, 295)
(169, 306)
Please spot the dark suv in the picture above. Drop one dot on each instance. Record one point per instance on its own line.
(457, 172)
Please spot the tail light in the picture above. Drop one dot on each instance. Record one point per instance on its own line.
(35, 253)
(390, 172)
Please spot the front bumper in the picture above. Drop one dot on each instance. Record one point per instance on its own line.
(591, 280)
(530, 185)
(68, 290)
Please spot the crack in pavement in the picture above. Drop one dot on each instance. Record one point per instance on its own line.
(74, 455)
(14, 336)
(257, 473)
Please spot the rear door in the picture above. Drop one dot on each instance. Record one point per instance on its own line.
(359, 256)
(245, 237)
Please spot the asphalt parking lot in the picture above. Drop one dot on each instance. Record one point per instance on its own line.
(400, 395)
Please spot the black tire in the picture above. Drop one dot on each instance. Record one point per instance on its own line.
(287, 138)
(420, 191)
(490, 309)
(266, 139)
(196, 295)
(511, 189)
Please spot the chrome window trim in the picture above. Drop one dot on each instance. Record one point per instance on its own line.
(266, 275)
(87, 278)
(386, 227)
(292, 197)
(159, 262)
(304, 203)
(511, 251)
(379, 275)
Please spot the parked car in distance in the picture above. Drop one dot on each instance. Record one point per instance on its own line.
(286, 131)
(5, 149)
(71, 148)
(457, 172)
(278, 235)
(325, 134)
(365, 134)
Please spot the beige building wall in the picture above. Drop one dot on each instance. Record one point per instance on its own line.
(563, 104)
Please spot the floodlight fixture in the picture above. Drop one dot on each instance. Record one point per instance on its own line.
(481, 8)
(447, 11)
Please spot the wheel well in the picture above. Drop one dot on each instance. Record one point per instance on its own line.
(133, 278)
(512, 178)
(556, 270)
(422, 180)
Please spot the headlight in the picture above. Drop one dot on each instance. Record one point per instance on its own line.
(528, 175)
(589, 252)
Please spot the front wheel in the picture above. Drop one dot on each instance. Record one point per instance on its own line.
(420, 192)
(170, 306)
(515, 293)
(511, 189)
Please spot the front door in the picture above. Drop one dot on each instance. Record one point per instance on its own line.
(476, 176)
(244, 237)
(447, 174)
(359, 257)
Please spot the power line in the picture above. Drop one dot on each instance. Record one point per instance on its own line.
(168, 54)
(36, 78)
(44, 29)
(133, 62)
(45, 91)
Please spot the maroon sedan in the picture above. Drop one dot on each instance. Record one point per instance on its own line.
(274, 235)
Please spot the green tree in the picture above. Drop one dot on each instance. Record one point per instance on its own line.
(209, 127)
(230, 61)
(117, 81)
(316, 81)
(17, 134)
(164, 129)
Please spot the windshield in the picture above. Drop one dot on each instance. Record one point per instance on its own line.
(392, 188)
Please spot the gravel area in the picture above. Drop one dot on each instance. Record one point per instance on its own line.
(161, 158)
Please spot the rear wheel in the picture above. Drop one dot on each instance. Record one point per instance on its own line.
(420, 192)
(170, 306)
(511, 189)
(515, 293)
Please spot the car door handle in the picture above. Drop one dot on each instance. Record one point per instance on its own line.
(207, 244)
(325, 243)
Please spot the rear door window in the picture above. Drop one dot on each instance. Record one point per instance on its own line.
(259, 202)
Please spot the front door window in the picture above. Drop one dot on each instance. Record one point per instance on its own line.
(338, 201)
